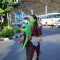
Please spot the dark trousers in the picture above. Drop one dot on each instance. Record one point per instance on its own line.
(29, 51)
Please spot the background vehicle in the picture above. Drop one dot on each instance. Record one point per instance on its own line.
(25, 19)
(24, 25)
(50, 18)
(25, 22)
(57, 24)
(17, 23)
(39, 23)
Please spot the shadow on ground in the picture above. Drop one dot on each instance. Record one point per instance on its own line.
(16, 52)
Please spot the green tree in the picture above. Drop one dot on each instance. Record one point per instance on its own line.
(5, 6)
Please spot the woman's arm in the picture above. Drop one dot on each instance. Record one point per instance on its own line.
(37, 39)
(21, 40)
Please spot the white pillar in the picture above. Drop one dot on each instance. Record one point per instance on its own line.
(7, 16)
(22, 15)
(17, 0)
(31, 12)
(10, 19)
(2, 19)
(45, 9)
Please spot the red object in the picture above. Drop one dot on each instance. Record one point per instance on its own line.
(37, 48)
(35, 31)
(28, 19)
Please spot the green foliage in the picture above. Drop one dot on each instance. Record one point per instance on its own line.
(10, 1)
(5, 22)
(18, 30)
(11, 25)
(2, 12)
(9, 32)
(6, 28)
(16, 4)
(3, 2)
(1, 34)
(6, 33)
(8, 9)
(5, 7)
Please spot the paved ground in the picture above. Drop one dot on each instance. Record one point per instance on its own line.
(50, 44)
(50, 47)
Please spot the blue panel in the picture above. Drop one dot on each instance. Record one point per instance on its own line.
(18, 15)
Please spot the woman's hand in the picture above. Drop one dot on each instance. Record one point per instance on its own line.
(21, 41)
(30, 37)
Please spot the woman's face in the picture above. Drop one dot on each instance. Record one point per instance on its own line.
(31, 17)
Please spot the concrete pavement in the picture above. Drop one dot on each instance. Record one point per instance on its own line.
(50, 47)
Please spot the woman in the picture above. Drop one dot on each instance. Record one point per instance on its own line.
(30, 48)
(36, 33)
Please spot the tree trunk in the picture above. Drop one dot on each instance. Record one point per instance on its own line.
(5, 20)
